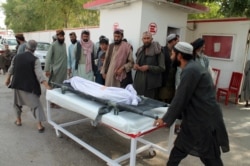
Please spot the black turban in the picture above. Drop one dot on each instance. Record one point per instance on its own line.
(198, 43)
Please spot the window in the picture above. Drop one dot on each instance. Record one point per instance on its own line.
(218, 46)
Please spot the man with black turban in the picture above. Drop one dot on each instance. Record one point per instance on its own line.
(21, 43)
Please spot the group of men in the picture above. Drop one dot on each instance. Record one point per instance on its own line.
(111, 64)
(170, 73)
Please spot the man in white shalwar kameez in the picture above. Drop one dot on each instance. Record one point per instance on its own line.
(84, 66)
(72, 54)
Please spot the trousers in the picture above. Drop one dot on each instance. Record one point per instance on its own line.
(177, 155)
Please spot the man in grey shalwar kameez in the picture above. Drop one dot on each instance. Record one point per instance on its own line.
(56, 60)
(203, 131)
(149, 67)
(27, 74)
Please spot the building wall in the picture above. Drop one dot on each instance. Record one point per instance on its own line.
(46, 36)
(238, 29)
(164, 17)
(127, 18)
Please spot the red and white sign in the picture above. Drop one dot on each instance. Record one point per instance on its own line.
(152, 28)
(115, 25)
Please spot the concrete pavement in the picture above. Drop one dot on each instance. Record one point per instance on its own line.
(24, 146)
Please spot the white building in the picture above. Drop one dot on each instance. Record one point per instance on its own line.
(227, 43)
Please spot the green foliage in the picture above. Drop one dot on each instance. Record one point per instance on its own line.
(30, 15)
(214, 7)
(221, 8)
(235, 8)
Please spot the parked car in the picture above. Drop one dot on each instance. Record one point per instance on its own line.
(9, 40)
(41, 52)
(1, 49)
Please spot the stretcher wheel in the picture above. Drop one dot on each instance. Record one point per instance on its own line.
(152, 153)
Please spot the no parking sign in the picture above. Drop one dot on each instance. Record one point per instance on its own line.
(152, 28)
(115, 25)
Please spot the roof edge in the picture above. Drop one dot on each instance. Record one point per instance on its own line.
(192, 7)
(220, 19)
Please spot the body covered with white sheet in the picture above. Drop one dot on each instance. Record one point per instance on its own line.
(114, 94)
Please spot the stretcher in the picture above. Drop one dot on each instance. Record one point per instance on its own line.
(128, 124)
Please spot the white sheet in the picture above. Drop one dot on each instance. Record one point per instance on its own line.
(126, 122)
(115, 94)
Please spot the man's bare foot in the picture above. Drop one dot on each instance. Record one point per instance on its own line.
(18, 122)
(40, 127)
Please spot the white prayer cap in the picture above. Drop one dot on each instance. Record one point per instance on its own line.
(184, 47)
(171, 37)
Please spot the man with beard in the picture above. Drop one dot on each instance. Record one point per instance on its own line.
(200, 57)
(199, 45)
(149, 67)
(21, 43)
(84, 57)
(167, 90)
(118, 62)
(56, 60)
(203, 131)
(71, 53)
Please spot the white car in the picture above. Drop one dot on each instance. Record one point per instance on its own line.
(11, 41)
(41, 52)
(1, 49)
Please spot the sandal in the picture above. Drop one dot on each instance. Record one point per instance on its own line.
(17, 124)
(41, 130)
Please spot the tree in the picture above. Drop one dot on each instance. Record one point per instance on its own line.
(222, 8)
(30, 15)
(213, 12)
(235, 8)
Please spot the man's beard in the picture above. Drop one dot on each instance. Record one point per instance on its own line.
(73, 41)
(61, 41)
(117, 42)
(176, 62)
(85, 40)
(146, 45)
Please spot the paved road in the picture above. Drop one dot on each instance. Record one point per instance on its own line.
(24, 146)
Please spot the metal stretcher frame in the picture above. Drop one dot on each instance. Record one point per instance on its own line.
(134, 138)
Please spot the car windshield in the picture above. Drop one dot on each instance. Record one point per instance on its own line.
(42, 46)
(1, 47)
(12, 42)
